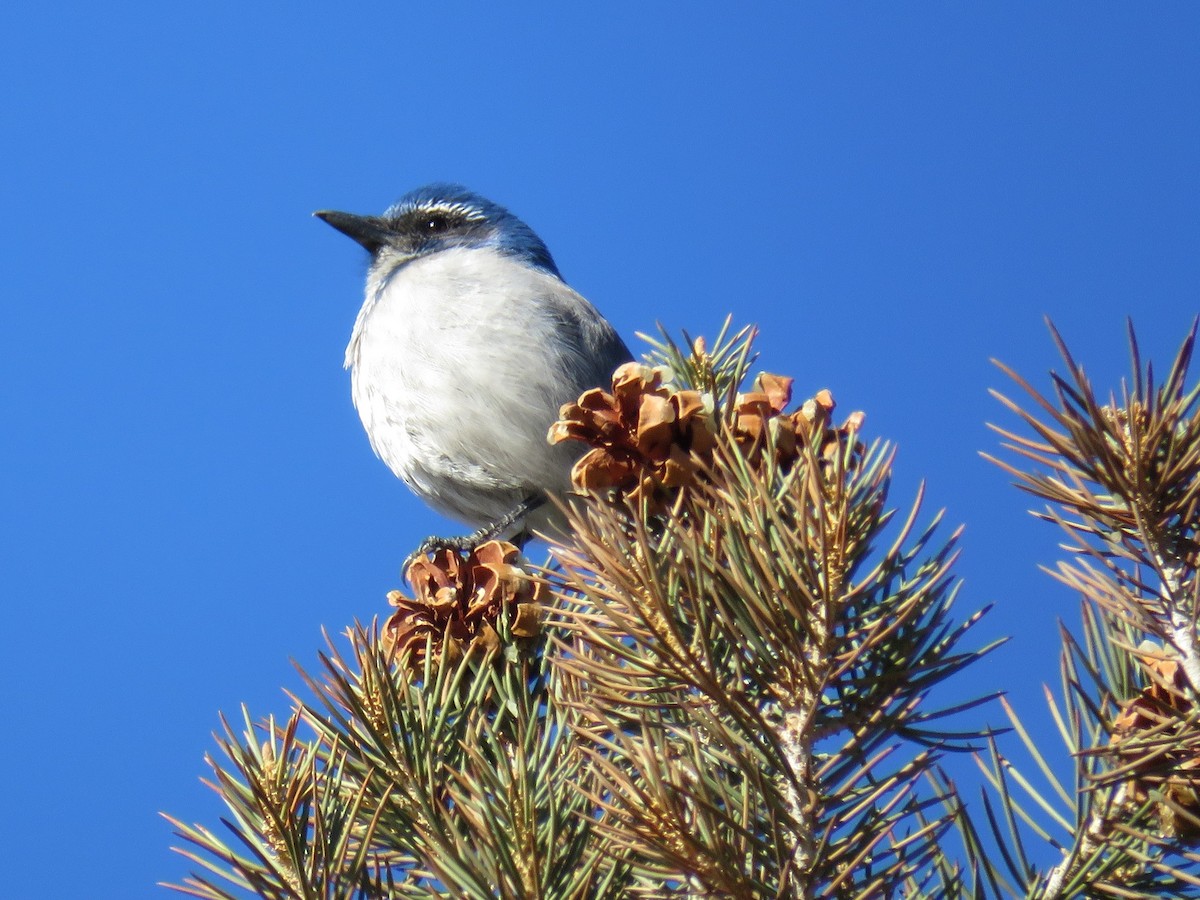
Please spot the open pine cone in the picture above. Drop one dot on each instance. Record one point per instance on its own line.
(649, 439)
(1157, 715)
(459, 598)
(764, 409)
(642, 435)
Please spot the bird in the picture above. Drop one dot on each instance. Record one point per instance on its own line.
(467, 344)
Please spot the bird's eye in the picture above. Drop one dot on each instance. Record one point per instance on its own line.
(436, 223)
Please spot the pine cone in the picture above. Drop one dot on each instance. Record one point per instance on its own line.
(459, 599)
(764, 409)
(1158, 713)
(643, 435)
(648, 440)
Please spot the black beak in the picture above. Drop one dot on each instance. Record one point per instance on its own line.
(370, 231)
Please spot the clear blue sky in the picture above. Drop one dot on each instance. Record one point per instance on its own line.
(893, 194)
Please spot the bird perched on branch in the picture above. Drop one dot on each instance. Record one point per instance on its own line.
(465, 347)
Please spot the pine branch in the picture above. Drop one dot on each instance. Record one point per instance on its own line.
(1122, 480)
(722, 687)
(742, 650)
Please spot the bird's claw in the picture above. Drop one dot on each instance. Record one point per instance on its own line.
(467, 543)
(433, 544)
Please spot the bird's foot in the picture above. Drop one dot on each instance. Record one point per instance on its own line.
(467, 543)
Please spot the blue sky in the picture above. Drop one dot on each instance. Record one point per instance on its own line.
(893, 193)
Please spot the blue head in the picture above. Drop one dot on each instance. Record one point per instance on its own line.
(438, 217)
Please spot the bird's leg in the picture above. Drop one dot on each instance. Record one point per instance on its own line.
(469, 542)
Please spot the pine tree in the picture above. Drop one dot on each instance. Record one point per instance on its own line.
(721, 684)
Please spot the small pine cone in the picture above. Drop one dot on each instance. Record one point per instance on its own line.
(648, 440)
(459, 598)
(643, 435)
(759, 413)
(763, 411)
(1157, 711)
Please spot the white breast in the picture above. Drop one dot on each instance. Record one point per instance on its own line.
(455, 378)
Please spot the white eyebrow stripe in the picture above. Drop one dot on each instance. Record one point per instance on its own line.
(470, 213)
